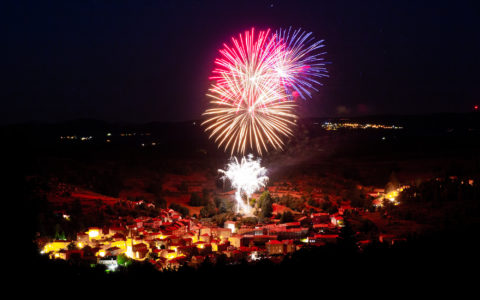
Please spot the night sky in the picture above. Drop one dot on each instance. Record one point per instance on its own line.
(141, 61)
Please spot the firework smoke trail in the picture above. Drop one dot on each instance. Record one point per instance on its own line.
(246, 177)
(301, 65)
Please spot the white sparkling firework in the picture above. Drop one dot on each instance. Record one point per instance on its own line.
(246, 176)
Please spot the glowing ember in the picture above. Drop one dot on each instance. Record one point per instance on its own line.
(246, 177)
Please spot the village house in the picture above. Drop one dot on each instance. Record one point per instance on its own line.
(55, 246)
(323, 238)
(231, 225)
(115, 251)
(176, 263)
(205, 230)
(290, 246)
(61, 254)
(337, 220)
(168, 253)
(320, 218)
(322, 228)
(222, 233)
(274, 247)
(82, 237)
(196, 260)
(205, 238)
(139, 251)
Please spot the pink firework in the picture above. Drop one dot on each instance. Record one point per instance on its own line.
(245, 73)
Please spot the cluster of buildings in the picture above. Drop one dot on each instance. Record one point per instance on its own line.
(170, 241)
(380, 195)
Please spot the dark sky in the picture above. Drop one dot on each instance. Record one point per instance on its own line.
(150, 60)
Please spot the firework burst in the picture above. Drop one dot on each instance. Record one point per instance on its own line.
(255, 81)
(241, 127)
(246, 176)
(245, 72)
(300, 65)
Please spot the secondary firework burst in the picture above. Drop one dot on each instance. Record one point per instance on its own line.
(246, 176)
(301, 65)
(256, 78)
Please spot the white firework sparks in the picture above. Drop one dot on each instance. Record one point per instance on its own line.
(246, 177)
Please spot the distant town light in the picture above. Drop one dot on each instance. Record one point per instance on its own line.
(347, 125)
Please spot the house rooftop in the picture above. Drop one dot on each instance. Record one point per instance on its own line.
(274, 242)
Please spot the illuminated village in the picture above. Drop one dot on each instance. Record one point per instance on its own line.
(170, 240)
